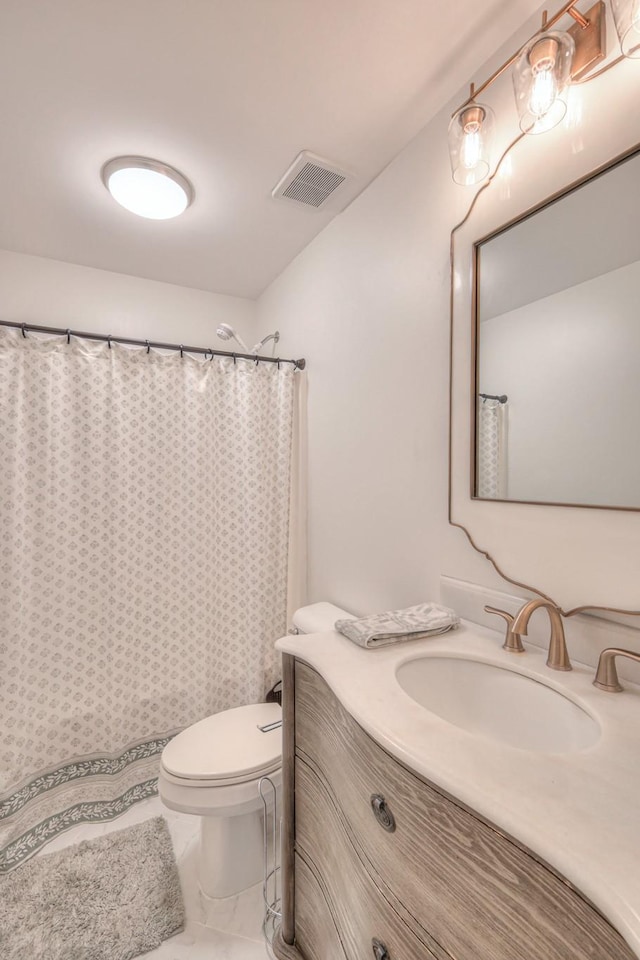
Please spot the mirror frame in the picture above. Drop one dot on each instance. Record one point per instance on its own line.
(580, 557)
(475, 342)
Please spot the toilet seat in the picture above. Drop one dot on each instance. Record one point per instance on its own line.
(196, 783)
(213, 768)
(226, 748)
(212, 799)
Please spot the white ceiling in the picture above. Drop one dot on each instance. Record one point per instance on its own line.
(229, 92)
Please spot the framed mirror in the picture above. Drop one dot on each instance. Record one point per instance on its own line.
(557, 340)
(565, 520)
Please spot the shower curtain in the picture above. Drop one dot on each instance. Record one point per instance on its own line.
(492, 450)
(145, 537)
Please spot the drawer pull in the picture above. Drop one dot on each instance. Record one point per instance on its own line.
(382, 813)
(380, 952)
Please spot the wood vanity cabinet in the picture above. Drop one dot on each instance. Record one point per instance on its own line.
(377, 862)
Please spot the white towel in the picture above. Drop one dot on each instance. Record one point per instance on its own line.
(412, 623)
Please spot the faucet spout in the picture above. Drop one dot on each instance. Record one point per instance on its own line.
(558, 658)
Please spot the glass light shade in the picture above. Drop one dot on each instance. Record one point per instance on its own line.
(541, 76)
(470, 139)
(147, 187)
(626, 14)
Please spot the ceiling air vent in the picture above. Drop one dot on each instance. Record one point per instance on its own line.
(309, 180)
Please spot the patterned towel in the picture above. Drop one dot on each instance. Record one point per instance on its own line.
(413, 623)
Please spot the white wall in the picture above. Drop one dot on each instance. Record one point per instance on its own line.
(52, 293)
(569, 365)
(367, 302)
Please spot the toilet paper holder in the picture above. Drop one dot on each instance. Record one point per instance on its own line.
(271, 832)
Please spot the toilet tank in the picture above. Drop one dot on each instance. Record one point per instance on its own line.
(319, 617)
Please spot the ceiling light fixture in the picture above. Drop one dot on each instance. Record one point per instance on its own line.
(147, 187)
(542, 72)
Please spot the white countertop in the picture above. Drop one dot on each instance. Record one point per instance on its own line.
(578, 811)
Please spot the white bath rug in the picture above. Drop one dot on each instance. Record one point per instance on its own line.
(111, 898)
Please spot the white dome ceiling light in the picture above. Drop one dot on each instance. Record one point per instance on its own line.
(147, 187)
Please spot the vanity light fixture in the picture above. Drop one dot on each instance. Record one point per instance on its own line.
(542, 72)
(626, 15)
(470, 136)
(147, 187)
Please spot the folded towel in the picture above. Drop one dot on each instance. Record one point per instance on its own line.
(413, 623)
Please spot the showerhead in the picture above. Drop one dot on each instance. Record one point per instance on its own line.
(226, 332)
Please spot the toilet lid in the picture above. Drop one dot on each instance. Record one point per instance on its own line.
(227, 745)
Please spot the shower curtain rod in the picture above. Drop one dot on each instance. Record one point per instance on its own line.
(491, 396)
(107, 338)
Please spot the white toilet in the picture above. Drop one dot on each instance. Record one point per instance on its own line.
(212, 769)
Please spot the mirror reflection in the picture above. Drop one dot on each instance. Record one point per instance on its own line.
(558, 349)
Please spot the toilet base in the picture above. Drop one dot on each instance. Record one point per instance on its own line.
(230, 858)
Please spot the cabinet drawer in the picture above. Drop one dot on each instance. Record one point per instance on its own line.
(479, 895)
(362, 914)
(316, 934)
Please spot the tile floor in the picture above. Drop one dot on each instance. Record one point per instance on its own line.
(197, 942)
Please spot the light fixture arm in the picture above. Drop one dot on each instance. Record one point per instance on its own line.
(547, 24)
(577, 16)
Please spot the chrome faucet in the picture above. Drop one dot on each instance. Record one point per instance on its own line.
(607, 675)
(558, 658)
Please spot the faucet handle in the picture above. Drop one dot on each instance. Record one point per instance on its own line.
(512, 641)
(607, 674)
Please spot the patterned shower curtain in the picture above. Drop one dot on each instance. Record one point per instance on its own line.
(144, 530)
(492, 450)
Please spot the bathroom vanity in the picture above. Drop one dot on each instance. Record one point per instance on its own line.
(407, 836)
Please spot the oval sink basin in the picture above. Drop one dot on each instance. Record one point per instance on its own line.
(497, 703)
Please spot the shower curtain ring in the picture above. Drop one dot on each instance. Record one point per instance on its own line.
(148, 347)
(235, 359)
(23, 327)
(278, 363)
(181, 351)
(212, 356)
(68, 335)
(109, 340)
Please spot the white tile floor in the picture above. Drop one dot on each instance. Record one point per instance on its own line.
(197, 942)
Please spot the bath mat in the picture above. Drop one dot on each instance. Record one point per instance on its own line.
(111, 898)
